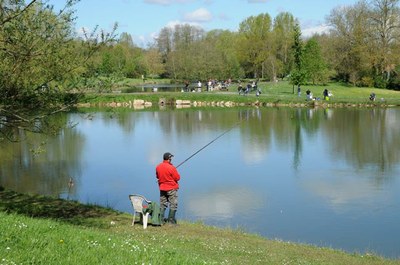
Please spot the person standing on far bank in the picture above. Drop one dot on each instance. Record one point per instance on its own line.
(168, 177)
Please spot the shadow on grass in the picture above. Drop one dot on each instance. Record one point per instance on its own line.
(48, 207)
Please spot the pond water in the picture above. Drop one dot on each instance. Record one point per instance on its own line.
(328, 177)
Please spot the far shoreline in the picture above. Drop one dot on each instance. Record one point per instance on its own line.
(206, 99)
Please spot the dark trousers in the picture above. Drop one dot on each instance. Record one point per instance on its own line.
(169, 198)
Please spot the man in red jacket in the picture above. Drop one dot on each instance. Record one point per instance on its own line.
(168, 178)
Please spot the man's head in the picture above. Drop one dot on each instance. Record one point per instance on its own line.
(167, 156)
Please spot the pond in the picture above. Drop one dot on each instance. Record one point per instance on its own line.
(328, 177)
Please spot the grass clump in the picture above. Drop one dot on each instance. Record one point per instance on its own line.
(109, 238)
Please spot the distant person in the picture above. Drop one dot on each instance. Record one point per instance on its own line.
(248, 89)
(186, 86)
(326, 94)
(240, 88)
(298, 91)
(168, 177)
(199, 86)
(309, 95)
(209, 88)
(372, 96)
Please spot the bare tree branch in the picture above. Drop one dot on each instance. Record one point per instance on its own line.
(8, 19)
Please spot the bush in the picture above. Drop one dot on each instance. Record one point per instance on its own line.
(380, 82)
(366, 81)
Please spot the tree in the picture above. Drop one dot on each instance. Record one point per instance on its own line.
(122, 58)
(385, 35)
(349, 38)
(39, 60)
(314, 64)
(254, 43)
(153, 61)
(176, 46)
(297, 76)
(283, 29)
(126, 40)
(366, 39)
(164, 42)
(216, 56)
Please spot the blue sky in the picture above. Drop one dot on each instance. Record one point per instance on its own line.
(143, 19)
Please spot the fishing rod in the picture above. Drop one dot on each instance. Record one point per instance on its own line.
(219, 136)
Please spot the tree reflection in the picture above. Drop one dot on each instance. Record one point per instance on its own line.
(42, 164)
(365, 138)
(362, 138)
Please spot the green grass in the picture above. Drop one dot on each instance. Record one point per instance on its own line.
(45, 230)
(275, 93)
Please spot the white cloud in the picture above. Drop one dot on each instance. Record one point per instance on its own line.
(199, 15)
(153, 35)
(158, 2)
(224, 202)
(310, 31)
(344, 190)
(172, 24)
(166, 2)
(257, 1)
(142, 39)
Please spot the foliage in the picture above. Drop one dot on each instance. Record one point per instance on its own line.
(297, 48)
(284, 25)
(298, 74)
(255, 43)
(365, 39)
(153, 62)
(361, 45)
(41, 57)
(178, 50)
(348, 39)
(384, 22)
(33, 44)
(314, 64)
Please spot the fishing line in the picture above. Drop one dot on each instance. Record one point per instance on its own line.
(198, 151)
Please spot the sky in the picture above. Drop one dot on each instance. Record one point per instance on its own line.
(143, 19)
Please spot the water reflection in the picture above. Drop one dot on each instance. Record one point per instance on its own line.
(322, 176)
(344, 189)
(371, 133)
(224, 203)
(41, 164)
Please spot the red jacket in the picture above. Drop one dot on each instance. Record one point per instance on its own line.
(167, 176)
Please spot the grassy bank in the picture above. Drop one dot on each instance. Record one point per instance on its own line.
(280, 93)
(43, 230)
